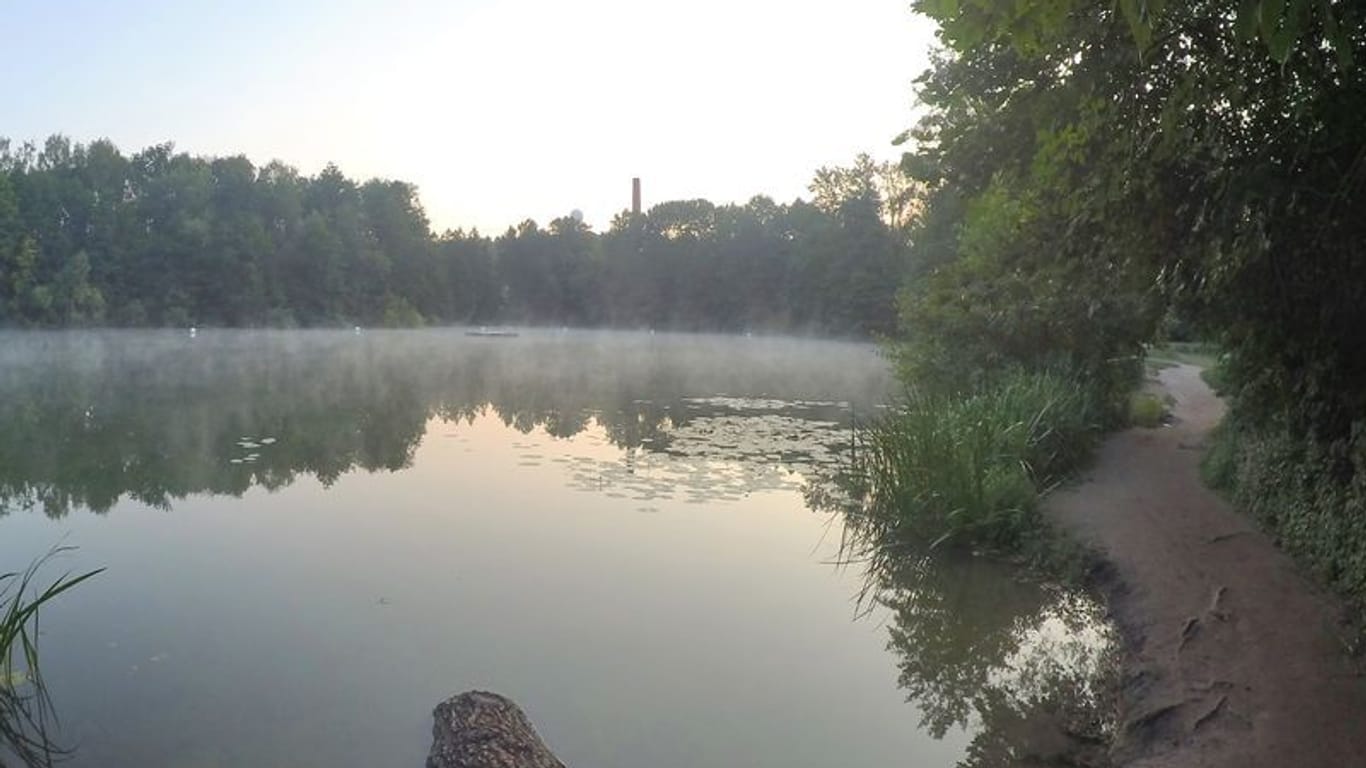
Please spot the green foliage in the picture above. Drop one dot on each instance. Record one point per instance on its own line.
(398, 313)
(997, 300)
(1219, 463)
(1311, 494)
(1200, 160)
(1282, 26)
(167, 239)
(1216, 377)
(968, 469)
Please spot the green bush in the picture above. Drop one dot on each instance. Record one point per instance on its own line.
(1297, 465)
(968, 470)
(1218, 465)
(1216, 376)
(1310, 495)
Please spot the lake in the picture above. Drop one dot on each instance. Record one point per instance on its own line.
(311, 538)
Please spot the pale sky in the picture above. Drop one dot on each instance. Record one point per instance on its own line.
(498, 110)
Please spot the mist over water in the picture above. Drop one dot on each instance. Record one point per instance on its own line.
(160, 415)
(313, 537)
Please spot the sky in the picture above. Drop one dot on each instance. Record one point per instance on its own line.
(498, 111)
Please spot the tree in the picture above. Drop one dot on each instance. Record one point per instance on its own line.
(1201, 155)
(162, 237)
(860, 262)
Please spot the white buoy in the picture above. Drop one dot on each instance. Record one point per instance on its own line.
(358, 330)
(193, 331)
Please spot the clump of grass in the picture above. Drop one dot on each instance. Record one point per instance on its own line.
(968, 470)
(25, 708)
(1146, 410)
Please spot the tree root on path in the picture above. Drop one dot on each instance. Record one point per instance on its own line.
(1155, 714)
(1188, 632)
(1210, 713)
(1215, 598)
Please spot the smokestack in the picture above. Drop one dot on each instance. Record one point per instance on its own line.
(635, 195)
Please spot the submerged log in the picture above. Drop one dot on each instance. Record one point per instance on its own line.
(478, 729)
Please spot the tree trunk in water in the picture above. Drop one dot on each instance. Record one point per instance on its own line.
(477, 729)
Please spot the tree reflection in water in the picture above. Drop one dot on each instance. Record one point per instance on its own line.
(87, 419)
(1028, 668)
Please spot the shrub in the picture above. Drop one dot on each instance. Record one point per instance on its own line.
(1216, 376)
(1310, 495)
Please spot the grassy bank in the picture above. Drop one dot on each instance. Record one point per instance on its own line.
(948, 476)
(968, 470)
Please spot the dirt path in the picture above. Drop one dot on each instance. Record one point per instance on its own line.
(1233, 658)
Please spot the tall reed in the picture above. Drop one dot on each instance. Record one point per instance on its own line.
(25, 708)
(968, 469)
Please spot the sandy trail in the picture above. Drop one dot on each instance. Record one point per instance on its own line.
(1232, 657)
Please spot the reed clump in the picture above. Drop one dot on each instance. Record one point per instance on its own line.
(25, 708)
(968, 469)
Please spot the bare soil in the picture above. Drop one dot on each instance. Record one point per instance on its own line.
(1233, 657)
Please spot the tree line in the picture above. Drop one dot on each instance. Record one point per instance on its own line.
(90, 236)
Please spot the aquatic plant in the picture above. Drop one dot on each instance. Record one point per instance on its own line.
(25, 707)
(968, 470)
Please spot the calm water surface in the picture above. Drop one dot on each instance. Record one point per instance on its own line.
(312, 538)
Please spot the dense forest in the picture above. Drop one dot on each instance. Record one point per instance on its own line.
(1100, 174)
(89, 236)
